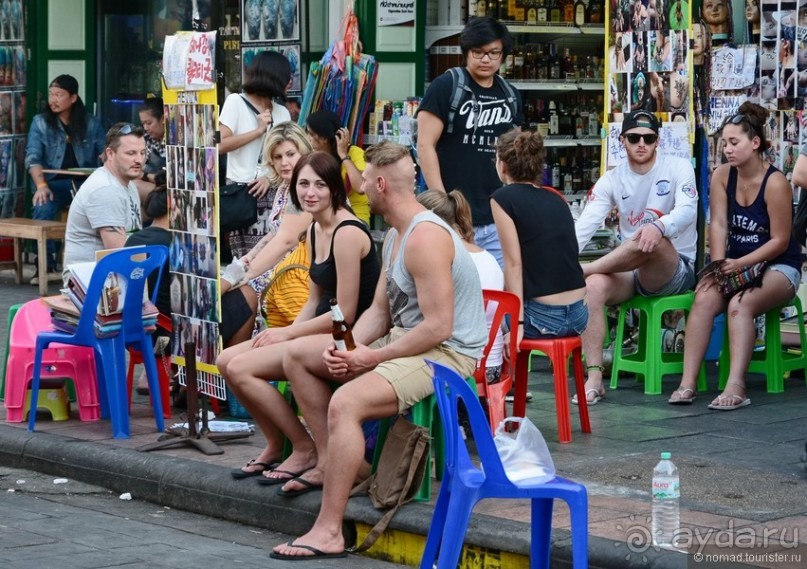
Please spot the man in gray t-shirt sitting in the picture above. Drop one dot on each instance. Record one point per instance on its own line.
(428, 304)
(106, 208)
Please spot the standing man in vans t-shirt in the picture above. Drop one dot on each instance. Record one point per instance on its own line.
(456, 134)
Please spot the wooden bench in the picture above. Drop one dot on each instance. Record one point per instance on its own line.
(40, 231)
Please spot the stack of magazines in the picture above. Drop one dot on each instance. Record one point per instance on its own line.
(67, 308)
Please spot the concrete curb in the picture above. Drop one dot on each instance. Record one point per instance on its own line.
(209, 490)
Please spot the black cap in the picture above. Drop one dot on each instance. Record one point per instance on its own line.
(638, 119)
(66, 82)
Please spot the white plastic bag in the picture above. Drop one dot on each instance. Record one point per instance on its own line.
(523, 451)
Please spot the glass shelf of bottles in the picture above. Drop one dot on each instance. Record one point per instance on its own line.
(435, 33)
(570, 141)
(545, 85)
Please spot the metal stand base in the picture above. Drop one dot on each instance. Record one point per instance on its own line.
(203, 440)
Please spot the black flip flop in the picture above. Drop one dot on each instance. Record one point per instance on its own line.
(264, 481)
(308, 486)
(317, 553)
(239, 474)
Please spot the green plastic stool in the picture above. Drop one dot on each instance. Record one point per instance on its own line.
(649, 360)
(12, 312)
(424, 414)
(771, 361)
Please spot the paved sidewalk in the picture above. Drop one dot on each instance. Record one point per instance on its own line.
(744, 491)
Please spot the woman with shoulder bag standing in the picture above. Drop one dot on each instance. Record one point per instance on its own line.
(751, 205)
(244, 120)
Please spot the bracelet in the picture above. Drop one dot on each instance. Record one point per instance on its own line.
(345, 158)
(41, 185)
(660, 230)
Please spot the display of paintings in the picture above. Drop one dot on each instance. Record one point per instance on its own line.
(271, 20)
(291, 52)
(192, 170)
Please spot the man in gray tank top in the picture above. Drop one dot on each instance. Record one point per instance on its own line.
(428, 304)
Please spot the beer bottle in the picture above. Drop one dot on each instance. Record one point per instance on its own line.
(341, 329)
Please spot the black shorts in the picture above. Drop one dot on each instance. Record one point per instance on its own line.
(235, 312)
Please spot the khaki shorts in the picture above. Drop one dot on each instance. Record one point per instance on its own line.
(411, 377)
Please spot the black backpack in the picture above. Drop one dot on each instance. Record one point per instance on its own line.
(460, 85)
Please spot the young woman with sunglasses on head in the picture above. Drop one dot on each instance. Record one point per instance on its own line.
(657, 201)
(751, 205)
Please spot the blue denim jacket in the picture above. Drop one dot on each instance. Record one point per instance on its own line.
(45, 146)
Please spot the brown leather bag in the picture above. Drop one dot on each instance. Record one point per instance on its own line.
(403, 463)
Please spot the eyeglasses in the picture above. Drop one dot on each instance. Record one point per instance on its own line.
(649, 138)
(126, 129)
(494, 55)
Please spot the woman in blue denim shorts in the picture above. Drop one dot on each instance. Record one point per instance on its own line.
(536, 231)
(750, 205)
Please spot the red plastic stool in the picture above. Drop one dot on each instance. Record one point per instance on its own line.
(558, 351)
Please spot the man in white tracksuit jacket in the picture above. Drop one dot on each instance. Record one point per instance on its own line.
(657, 202)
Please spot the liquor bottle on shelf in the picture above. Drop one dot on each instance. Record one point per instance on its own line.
(554, 12)
(554, 63)
(556, 174)
(568, 11)
(530, 72)
(541, 14)
(596, 11)
(580, 13)
(565, 122)
(554, 119)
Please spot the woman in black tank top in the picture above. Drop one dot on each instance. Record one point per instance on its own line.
(344, 266)
(751, 212)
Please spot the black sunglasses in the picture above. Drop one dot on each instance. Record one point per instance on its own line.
(740, 118)
(649, 138)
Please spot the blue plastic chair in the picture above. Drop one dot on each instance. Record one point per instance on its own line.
(464, 485)
(133, 265)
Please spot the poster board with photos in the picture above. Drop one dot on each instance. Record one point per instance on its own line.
(191, 121)
(649, 67)
(769, 42)
(13, 126)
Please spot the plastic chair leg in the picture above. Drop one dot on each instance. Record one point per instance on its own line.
(35, 384)
(561, 377)
(578, 508)
(541, 538)
(437, 528)
(460, 505)
(580, 385)
(112, 354)
(520, 399)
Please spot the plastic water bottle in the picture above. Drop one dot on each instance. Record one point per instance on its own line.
(666, 494)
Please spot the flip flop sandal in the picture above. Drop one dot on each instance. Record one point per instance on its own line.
(317, 553)
(240, 474)
(264, 481)
(597, 396)
(308, 486)
(682, 397)
(740, 402)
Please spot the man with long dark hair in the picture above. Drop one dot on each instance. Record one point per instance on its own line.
(62, 136)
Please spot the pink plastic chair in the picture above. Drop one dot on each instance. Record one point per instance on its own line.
(59, 360)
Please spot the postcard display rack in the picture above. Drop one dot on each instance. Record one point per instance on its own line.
(12, 109)
(758, 53)
(191, 121)
(558, 66)
(649, 67)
